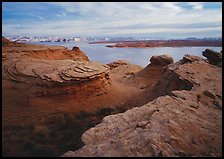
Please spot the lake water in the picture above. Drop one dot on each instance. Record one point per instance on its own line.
(139, 56)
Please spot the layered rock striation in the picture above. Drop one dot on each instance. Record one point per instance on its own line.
(53, 72)
(52, 66)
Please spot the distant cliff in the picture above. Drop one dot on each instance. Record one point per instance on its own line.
(168, 43)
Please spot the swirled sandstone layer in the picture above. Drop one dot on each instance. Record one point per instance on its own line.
(53, 72)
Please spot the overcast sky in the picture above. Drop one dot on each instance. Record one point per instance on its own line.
(148, 19)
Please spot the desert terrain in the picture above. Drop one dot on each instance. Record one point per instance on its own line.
(56, 102)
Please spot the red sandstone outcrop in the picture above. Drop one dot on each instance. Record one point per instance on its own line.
(53, 71)
(4, 40)
(117, 63)
(152, 73)
(58, 54)
(214, 57)
(77, 54)
(161, 60)
(156, 66)
(185, 123)
(47, 66)
(165, 43)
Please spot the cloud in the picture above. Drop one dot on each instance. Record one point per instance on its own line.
(197, 5)
(112, 18)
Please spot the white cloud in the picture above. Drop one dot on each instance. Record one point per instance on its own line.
(197, 5)
(116, 18)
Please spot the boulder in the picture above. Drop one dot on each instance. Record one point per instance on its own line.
(117, 63)
(161, 60)
(214, 57)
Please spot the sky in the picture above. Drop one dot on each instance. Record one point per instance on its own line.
(114, 19)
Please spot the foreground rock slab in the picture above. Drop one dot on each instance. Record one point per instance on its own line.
(184, 123)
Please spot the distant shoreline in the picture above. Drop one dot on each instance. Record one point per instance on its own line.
(162, 43)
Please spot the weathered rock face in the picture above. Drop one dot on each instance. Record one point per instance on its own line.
(156, 65)
(185, 123)
(77, 54)
(58, 54)
(214, 57)
(4, 40)
(161, 60)
(117, 63)
(64, 71)
(54, 72)
(153, 71)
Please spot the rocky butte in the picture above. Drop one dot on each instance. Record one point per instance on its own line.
(56, 102)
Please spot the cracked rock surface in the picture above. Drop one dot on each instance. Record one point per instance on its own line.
(186, 122)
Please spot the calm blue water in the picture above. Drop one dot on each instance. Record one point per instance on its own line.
(139, 56)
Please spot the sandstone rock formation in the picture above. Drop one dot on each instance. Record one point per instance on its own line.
(164, 43)
(161, 60)
(53, 72)
(55, 66)
(156, 65)
(77, 54)
(214, 57)
(4, 40)
(185, 123)
(58, 54)
(171, 80)
(152, 73)
(117, 63)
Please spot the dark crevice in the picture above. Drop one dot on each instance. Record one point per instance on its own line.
(52, 136)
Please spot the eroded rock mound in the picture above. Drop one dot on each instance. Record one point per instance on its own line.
(185, 123)
(58, 54)
(117, 63)
(53, 72)
(4, 40)
(161, 60)
(214, 57)
(77, 54)
(156, 66)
